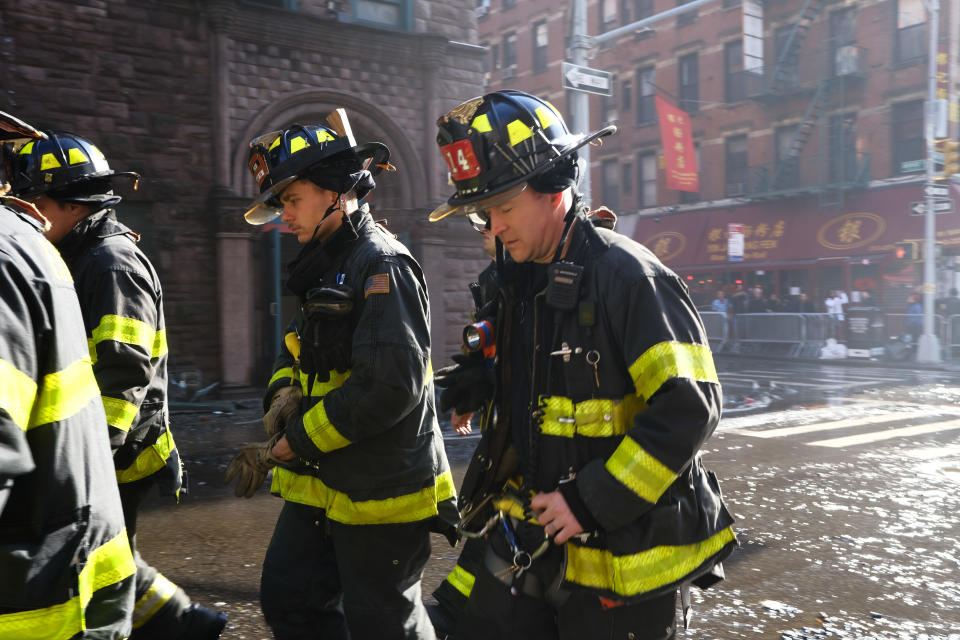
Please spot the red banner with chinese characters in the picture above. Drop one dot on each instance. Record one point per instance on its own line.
(679, 155)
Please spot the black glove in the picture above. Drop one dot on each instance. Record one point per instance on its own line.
(468, 385)
(327, 338)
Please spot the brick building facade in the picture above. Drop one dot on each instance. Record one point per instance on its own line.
(807, 118)
(176, 89)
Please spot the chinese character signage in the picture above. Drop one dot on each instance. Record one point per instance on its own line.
(679, 155)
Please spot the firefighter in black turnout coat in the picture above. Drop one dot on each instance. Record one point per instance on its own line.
(588, 488)
(355, 447)
(70, 181)
(66, 564)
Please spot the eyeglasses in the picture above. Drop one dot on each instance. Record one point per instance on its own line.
(478, 213)
(480, 226)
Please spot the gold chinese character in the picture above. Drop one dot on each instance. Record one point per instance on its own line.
(678, 132)
(671, 117)
(678, 147)
(850, 231)
(715, 234)
(681, 162)
(747, 230)
(778, 229)
(662, 247)
(680, 120)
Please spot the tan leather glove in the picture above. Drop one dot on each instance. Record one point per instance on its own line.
(284, 407)
(251, 464)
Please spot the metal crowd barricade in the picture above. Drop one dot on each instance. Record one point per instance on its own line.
(718, 331)
(770, 333)
(951, 330)
(897, 324)
(818, 327)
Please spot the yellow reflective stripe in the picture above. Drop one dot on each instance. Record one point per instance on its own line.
(108, 564)
(131, 331)
(49, 161)
(669, 360)
(482, 124)
(120, 413)
(92, 349)
(429, 375)
(17, 393)
(298, 143)
(324, 136)
(286, 373)
(461, 580)
(64, 393)
(546, 117)
(639, 471)
(411, 507)
(321, 388)
(596, 418)
(153, 600)
(641, 572)
(76, 156)
(26, 149)
(518, 132)
(150, 460)
(321, 431)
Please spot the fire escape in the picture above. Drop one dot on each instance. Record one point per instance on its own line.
(822, 76)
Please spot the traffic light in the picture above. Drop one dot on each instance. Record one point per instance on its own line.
(905, 250)
(951, 157)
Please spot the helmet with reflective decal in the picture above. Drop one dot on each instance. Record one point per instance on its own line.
(66, 167)
(495, 144)
(326, 155)
(14, 133)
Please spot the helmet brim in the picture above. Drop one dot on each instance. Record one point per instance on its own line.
(260, 211)
(463, 205)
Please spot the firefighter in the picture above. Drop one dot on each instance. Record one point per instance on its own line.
(61, 523)
(69, 180)
(354, 439)
(588, 487)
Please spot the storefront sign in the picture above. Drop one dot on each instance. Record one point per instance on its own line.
(679, 154)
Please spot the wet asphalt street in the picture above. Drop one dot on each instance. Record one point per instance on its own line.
(845, 482)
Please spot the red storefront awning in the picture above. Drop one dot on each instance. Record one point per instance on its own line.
(796, 231)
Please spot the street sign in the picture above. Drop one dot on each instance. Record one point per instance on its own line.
(936, 190)
(939, 206)
(586, 79)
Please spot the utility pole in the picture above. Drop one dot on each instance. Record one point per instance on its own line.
(580, 43)
(928, 346)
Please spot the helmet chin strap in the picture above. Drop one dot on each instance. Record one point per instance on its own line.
(336, 205)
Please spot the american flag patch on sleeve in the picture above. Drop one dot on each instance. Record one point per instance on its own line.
(379, 283)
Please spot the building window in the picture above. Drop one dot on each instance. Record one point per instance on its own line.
(386, 13)
(736, 165)
(843, 29)
(540, 46)
(608, 14)
(509, 50)
(908, 142)
(646, 107)
(610, 170)
(626, 180)
(642, 9)
(608, 107)
(780, 38)
(911, 30)
(688, 197)
(787, 168)
(688, 17)
(689, 81)
(626, 94)
(843, 147)
(734, 88)
(509, 4)
(495, 56)
(648, 179)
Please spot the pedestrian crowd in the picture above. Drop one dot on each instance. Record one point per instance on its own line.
(586, 509)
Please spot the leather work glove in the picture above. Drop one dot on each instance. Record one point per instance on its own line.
(468, 385)
(327, 340)
(251, 464)
(284, 407)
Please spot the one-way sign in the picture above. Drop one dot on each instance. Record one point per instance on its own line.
(586, 79)
(939, 206)
(936, 190)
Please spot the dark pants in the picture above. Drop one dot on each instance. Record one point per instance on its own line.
(149, 621)
(494, 612)
(321, 578)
